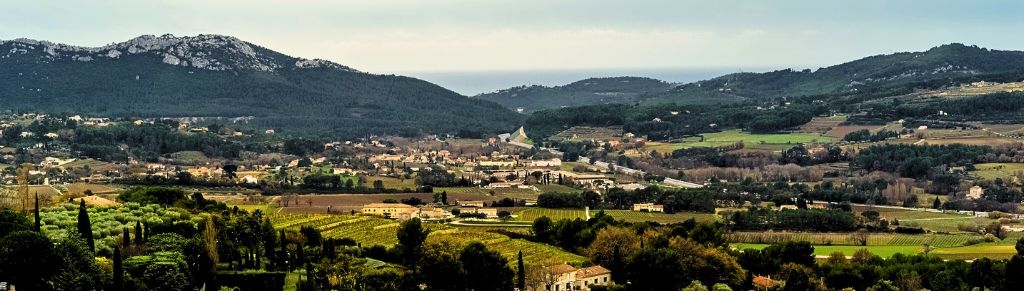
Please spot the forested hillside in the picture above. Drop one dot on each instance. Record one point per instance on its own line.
(222, 76)
(946, 62)
(584, 92)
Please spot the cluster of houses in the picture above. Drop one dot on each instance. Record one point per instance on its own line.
(403, 211)
(564, 277)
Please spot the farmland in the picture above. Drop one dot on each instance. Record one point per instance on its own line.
(750, 140)
(107, 222)
(371, 230)
(529, 214)
(873, 239)
(992, 171)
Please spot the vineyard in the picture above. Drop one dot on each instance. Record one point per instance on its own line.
(108, 223)
(371, 230)
(873, 239)
(529, 214)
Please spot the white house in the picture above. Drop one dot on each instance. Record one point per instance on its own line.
(648, 207)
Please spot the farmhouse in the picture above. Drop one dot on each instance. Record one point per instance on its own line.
(975, 193)
(504, 185)
(471, 203)
(430, 212)
(648, 207)
(490, 212)
(564, 277)
(392, 210)
(545, 163)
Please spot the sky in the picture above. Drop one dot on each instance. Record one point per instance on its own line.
(392, 36)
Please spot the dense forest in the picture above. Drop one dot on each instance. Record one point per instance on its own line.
(668, 121)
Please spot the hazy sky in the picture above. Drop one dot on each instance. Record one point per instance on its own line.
(384, 36)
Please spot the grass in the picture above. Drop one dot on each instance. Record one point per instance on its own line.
(750, 140)
(991, 171)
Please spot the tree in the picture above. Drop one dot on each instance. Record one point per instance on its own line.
(411, 236)
(78, 267)
(229, 171)
(118, 277)
(138, 233)
(521, 272)
(27, 260)
(707, 234)
(126, 238)
(38, 225)
(210, 240)
(655, 269)
(485, 269)
(11, 221)
(84, 226)
(440, 267)
(542, 228)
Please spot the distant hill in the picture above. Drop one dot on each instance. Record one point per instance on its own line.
(585, 92)
(222, 76)
(938, 87)
(947, 62)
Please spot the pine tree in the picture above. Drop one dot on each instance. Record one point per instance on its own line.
(84, 226)
(521, 273)
(937, 204)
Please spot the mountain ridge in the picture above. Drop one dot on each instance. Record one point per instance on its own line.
(213, 75)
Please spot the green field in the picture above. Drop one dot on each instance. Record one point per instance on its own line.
(750, 140)
(529, 214)
(882, 251)
(557, 188)
(991, 171)
(848, 239)
(988, 250)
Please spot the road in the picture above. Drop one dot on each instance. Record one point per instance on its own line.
(620, 169)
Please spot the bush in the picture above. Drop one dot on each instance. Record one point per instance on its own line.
(249, 281)
(909, 230)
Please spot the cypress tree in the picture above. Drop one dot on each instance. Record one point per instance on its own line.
(138, 233)
(521, 273)
(84, 226)
(118, 280)
(126, 238)
(284, 253)
(38, 225)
